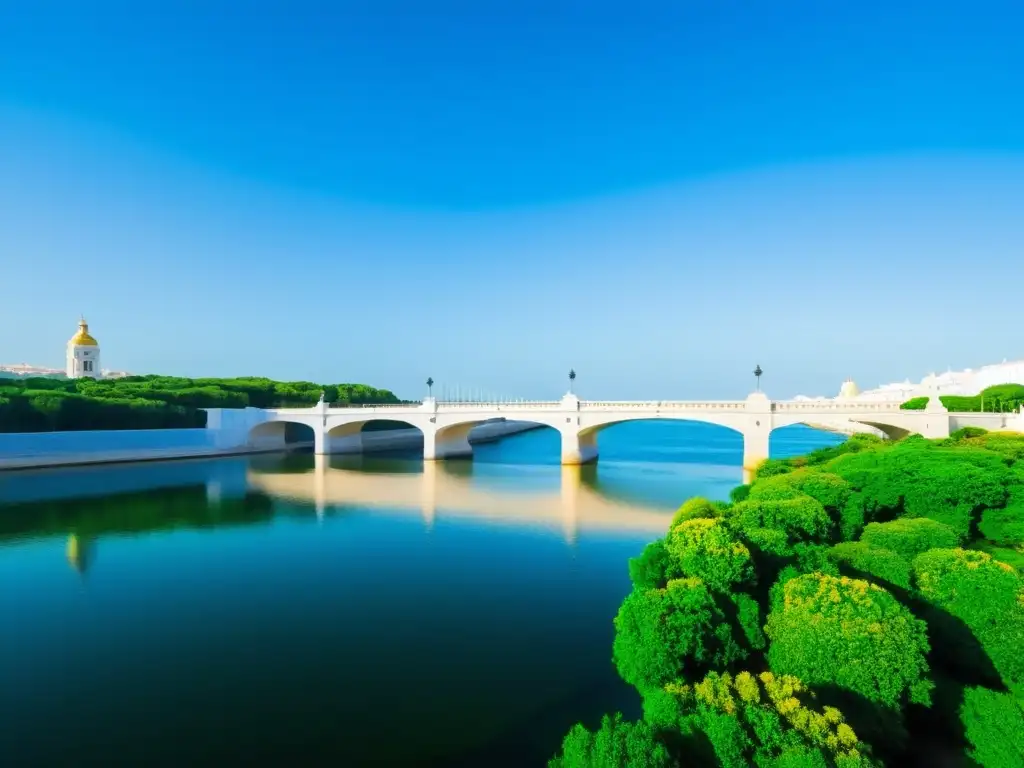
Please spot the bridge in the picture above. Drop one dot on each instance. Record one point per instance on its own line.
(446, 425)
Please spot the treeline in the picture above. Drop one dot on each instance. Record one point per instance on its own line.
(996, 399)
(860, 606)
(156, 402)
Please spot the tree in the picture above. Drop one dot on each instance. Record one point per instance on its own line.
(987, 595)
(616, 744)
(852, 634)
(706, 549)
(756, 720)
(666, 634)
(909, 537)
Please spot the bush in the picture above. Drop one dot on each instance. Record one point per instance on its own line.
(663, 634)
(994, 727)
(785, 549)
(654, 567)
(762, 720)
(883, 564)
(697, 508)
(909, 537)
(920, 479)
(775, 526)
(154, 402)
(616, 744)
(987, 595)
(706, 549)
(915, 404)
(852, 634)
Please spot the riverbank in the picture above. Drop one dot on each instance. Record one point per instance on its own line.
(62, 449)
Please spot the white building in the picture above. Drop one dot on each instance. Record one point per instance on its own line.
(83, 354)
(967, 382)
(82, 360)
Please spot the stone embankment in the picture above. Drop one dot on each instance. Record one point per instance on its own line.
(35, 451)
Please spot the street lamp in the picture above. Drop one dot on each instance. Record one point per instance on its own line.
(572, 378)
(430, 386)
(757, 376)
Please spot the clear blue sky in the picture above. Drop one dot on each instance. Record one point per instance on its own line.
(660, 195)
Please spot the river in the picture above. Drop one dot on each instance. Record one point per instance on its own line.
(344, 611)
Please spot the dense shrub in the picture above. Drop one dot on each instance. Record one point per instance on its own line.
(997, 398)
(994, 727)
(616, 744)
(707, 549)
(755, 720)
(654, 567)
(882, 564)
(776, 525)
(987, 595)
(662, 634)
(909, 537)
(882, 576)
(154, 402)
(852, 634)
(697, 508)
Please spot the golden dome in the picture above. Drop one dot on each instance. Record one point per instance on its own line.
(849, 389)
(82, 338)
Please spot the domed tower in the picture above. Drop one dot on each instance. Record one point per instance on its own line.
(83, 354)
(849, 390)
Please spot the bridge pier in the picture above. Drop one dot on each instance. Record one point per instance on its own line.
(578, 447)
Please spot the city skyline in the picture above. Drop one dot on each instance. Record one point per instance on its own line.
(658, 202)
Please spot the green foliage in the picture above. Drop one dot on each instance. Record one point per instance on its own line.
(987, 595)
(663, 634)
(910, 536)
(616, 744)
(850, 553)
(998, 398)
(920, 479)
(852, 634)
(654, 567)
(883, 564)
(756, 720)
(775, 525)
(707, 549)
(697, 508)
(739, 493)
(749, 618)
(994, 727)
(154, 402)
(915, 404)
(966, 433)
(1005, 526)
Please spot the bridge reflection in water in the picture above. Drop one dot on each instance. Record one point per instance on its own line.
(441, 491)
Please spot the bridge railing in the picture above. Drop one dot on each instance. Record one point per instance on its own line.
(818, 407)
(501, 406)
(688, 405)
(346, 406)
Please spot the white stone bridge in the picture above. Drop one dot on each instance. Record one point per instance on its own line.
(446, 425)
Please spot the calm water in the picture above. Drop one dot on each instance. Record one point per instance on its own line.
(359, 611)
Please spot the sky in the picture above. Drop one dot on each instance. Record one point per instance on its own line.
(659, 195)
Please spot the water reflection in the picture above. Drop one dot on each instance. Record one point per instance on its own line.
(81, 551)
(564, 498)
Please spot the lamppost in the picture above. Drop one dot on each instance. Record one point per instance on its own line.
(757, 376)
(430, 386)
(572, 378)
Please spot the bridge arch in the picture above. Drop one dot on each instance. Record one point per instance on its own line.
(359, 435)
(280, 434)
(455, 437)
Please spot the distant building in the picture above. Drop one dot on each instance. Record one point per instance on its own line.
(83, 354)
(967, 382)
(82, 360)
